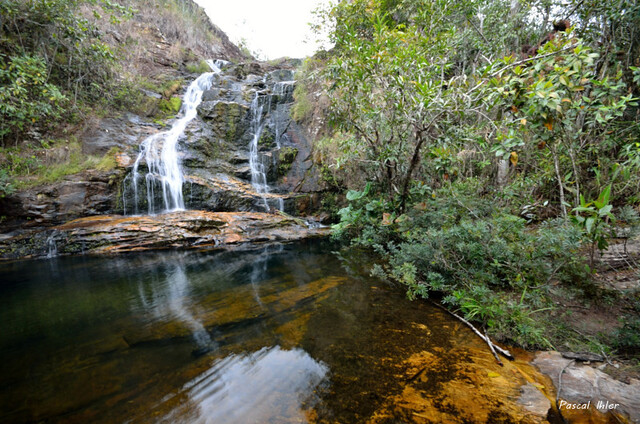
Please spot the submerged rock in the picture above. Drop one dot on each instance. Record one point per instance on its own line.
(181, 229)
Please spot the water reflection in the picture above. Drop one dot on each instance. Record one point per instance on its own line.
(270, 385)
(259, 269)
(169, 300)
(279, 335)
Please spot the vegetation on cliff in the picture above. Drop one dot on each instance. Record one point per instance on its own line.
(65, 61)
(466, 134)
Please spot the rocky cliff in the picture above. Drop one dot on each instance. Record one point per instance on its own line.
(241, 153)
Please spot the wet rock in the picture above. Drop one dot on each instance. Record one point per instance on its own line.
(534, 401)
(123, 133)
(243, 172)
(280, 75)
(243, 69)
(228, 120)
(582, 384)
(183, 229)
(226, 194)
(123, 160)
(211, 95)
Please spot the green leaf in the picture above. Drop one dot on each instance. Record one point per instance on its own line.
(606, 210)
(584, 209)
(589, 224)
(606, 194)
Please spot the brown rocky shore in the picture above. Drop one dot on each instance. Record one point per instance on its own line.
(173, 230)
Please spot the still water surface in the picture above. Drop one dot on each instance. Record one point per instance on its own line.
(282, 334)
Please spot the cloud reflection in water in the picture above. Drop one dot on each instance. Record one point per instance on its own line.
(270, 385)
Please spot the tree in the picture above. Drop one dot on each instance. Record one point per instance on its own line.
(393, 89)
(558, 103)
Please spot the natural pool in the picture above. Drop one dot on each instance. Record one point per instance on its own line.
(278, 334)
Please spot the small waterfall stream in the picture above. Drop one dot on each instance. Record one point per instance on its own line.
(257, 167)
(160, 153)
(258, 174)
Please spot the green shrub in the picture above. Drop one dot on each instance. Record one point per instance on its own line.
(628, 336)
(171, 106)
(302, 106)
(198, 67)
(26, 98)
(485, 263)
(7, 188)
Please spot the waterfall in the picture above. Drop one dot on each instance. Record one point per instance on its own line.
(256, 165)
(258, 174)
(51, 247)
(282, 89)
(160, 153)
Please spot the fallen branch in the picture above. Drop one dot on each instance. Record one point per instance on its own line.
(416, 375)
(495, 355)
(504, 352)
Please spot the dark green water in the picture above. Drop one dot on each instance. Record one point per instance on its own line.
(280, 334)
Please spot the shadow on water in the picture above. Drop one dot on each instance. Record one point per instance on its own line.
(281, 334)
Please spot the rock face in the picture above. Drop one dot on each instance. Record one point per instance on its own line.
(87, 193)
(216, 155)
(582, 384)
(243, 123)
(184, 230)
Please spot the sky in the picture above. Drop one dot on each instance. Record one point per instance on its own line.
(270, 28)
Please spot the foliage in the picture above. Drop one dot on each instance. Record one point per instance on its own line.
(594, 219)
(628, 336)
(560, 107)
(7, 187)
(171, 106)
(198, 67)
(485, 263)
(50, 55)
(391, 90)
(303, 106)
(26, 98)
(22, 168)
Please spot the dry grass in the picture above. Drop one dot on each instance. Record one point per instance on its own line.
(168, 33)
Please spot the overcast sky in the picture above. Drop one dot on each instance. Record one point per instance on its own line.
(271, 28)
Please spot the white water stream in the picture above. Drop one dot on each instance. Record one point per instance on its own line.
(258, 170)
(160, 153)
(258, 174)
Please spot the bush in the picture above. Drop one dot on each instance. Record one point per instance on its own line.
(7, 188)
(628, 336)
(26, 99)
(198, 67)
(487, 264)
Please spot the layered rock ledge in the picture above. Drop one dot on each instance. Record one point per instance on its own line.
(173, 230)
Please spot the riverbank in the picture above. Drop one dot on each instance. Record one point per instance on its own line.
(109, 234)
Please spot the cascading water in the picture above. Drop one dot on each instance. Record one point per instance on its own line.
(52, 247)
(282, 89)
(160, 153)
(258, 174)
(258, 171)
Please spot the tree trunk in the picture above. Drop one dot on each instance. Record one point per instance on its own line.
(503, 172)
(415, 160)
(556, 164)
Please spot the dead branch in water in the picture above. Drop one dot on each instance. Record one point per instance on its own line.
(488, 341)
(495, 355)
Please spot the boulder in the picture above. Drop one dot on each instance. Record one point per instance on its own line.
(582, 384)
